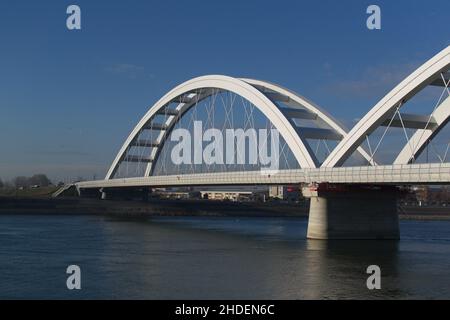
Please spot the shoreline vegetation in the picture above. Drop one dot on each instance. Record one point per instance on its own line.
(39, 201)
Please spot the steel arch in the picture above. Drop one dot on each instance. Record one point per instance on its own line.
(415, 82)
(239, 87)
(252, 90)
(421, 137)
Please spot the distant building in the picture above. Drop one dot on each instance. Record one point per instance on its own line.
(427, 196)
(226, 195)
(276, 192)
(170, 194)
(421, 193)
(289, 193)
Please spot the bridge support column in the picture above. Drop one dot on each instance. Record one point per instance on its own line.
(352, 212)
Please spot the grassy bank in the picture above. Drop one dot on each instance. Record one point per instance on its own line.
(45, 205)
(42, 192)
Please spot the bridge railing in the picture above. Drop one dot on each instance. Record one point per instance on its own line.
(434, 173)
(407, 173)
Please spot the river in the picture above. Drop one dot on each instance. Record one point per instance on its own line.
(214, 258)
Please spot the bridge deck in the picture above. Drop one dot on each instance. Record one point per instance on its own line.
(391, 174)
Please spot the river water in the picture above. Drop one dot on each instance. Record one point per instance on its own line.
(214, 258)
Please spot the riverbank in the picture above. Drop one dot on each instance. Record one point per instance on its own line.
(138, 209)
(424, 213)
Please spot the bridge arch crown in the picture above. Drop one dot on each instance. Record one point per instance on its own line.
(262, 95)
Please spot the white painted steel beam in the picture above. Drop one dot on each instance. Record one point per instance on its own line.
(135, 158)
(318, 133)
(298, 114)
(277, 97)
(145, 143)
(168, 111)
(411, 121)
(155, 126)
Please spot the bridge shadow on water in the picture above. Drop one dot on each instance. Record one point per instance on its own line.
(339, 267)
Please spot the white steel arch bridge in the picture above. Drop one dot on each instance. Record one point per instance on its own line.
(300, 124)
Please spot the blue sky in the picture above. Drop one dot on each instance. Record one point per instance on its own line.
(68, 99)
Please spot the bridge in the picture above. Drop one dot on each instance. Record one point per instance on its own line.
(350, 175)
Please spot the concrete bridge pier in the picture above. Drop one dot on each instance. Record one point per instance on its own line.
(340, 211)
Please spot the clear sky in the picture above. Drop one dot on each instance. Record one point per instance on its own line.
(68, 99)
